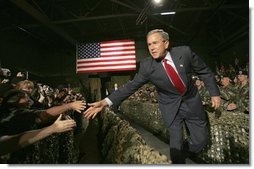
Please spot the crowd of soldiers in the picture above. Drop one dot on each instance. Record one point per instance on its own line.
(123, 144)
(234, 92)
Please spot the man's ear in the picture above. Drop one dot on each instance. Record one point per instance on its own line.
(167, 44)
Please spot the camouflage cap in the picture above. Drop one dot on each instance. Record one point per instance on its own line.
(242, 72)
(226, 75)
(195, 78)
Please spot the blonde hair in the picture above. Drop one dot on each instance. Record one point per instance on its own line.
(24, 84)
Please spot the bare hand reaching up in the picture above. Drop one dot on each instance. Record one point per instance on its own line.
(60, 126)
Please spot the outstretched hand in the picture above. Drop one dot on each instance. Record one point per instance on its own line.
(78, 106)
(60, 126)
(94, 109)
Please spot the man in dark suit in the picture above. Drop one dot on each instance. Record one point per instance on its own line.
(171, 71)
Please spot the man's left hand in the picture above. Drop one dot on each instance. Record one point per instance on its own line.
(215, 101)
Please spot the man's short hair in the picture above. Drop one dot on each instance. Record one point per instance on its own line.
(163, 34)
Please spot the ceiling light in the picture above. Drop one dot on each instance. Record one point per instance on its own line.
(168, 13)
(157, 1)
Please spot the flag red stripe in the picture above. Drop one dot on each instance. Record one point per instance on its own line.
(116, 50)
(117, 45)
(109, 70)
(100, 60)
(108, 62)
(108, 65)
(105, 54)
(118, 41)
(106, 68)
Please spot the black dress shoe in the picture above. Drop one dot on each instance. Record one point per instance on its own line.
(177, 156)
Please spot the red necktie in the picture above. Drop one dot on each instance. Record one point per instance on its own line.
(175, 78)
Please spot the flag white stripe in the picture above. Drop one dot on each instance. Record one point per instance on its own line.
(118, 48)
(107, 63)
(105, 68)
(117, 53)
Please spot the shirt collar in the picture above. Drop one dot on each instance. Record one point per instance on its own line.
(168, 57)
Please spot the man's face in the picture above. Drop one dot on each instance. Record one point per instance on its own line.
(242, 78)
(198, 82)
(157, 46)
(225, 81)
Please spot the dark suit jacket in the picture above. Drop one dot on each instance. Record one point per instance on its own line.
(187, 63)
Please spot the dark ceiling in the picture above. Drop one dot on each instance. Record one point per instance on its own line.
(39, 36)
(69, 21)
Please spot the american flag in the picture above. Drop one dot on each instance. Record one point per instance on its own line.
(109, 56)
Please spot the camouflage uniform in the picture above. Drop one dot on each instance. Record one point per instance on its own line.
(204, 94)
(228, 94)
(242, 92)
(206, 99)
(242, 98)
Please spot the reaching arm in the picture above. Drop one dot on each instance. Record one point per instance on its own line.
(9, 144)
(76, 105)
(122, 93)
(56, 110)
